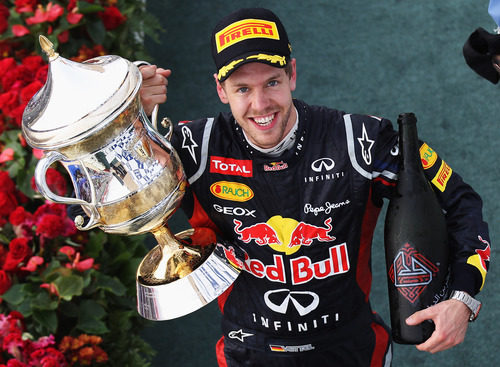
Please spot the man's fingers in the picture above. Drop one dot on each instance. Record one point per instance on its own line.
(148, 71)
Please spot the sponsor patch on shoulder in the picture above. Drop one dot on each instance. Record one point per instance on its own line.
(442, 177)
(428, 156)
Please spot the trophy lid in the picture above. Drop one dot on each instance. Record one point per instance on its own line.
(78, 99)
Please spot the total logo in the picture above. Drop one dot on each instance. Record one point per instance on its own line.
(230, 166)
(284, 234)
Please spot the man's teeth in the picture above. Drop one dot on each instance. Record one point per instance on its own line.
(263, 121)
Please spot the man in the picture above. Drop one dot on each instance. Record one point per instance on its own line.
(297, 189)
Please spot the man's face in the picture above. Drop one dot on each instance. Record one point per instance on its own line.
(260, 97)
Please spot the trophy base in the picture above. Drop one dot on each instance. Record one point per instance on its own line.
(189, 293)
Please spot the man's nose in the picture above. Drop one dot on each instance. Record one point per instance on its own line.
(260, 100)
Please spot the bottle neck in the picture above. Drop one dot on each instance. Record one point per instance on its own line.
(409, 146)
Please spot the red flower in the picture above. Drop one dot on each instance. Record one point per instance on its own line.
(19, 251)
(50, 226)
(51, 288)
(20, 216)
(25, 6)
(38, 153)
(6, 183)
(8, 101)
(4, 15)
(112, 17)
(50, 14)
(55, 181)
(6, 64)
(63, 37)
(7, 155)
(73, 17)
(50, 208)
(29, 91)
(19, 30)
(15, 363)
(8, 203)
(33, 62)
(41, 73)
(33, 263)
(5, 282)
(68, 251)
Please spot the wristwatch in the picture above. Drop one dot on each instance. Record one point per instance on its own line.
(473, 304)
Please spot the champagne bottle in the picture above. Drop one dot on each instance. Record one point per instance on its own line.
(415, 237)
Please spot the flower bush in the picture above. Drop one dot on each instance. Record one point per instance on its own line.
(67, 298)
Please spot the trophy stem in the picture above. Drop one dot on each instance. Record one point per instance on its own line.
(169, 261)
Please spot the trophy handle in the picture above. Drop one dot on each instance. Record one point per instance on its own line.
(40, 171)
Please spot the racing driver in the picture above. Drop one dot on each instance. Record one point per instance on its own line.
(297, 190)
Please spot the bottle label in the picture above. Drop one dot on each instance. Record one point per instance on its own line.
(411, 272)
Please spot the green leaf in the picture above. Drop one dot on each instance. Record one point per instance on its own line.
(90, 318)
(110, 284)
(85, 7)
(69, 286)
(15, 295)
(96, 31)
(47, 319)
(43, 301)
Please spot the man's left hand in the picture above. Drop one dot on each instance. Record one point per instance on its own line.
(451, 318)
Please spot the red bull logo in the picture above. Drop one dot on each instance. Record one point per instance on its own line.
(479, 259)
(304, 234)
(302, 269)
(284, 234)
(261, 233)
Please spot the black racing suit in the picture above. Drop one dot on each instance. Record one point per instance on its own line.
(305, 223)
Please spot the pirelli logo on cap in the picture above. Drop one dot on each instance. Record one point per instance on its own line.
(245, 29)
(442, 177)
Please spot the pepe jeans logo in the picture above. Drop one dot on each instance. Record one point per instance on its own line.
(411, 272)
(304, 302)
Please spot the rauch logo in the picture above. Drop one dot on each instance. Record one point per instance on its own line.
(233, 191)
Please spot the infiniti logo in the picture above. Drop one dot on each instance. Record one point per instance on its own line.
(303, 301)
(323, 164)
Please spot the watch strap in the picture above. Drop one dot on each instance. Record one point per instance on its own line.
(473, 304)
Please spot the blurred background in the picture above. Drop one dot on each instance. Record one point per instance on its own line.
(373, 57)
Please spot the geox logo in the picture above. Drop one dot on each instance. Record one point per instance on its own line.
(245, 29)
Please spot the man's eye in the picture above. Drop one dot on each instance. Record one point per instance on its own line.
(273, 83)
(243, 90)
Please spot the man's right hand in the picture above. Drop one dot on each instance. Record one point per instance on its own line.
(154, 86)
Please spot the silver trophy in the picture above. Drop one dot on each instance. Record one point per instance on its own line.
(126, 176)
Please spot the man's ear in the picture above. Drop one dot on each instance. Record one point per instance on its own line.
(220, 91)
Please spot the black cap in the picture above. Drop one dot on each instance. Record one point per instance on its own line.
(249, 35)
(479, 50)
